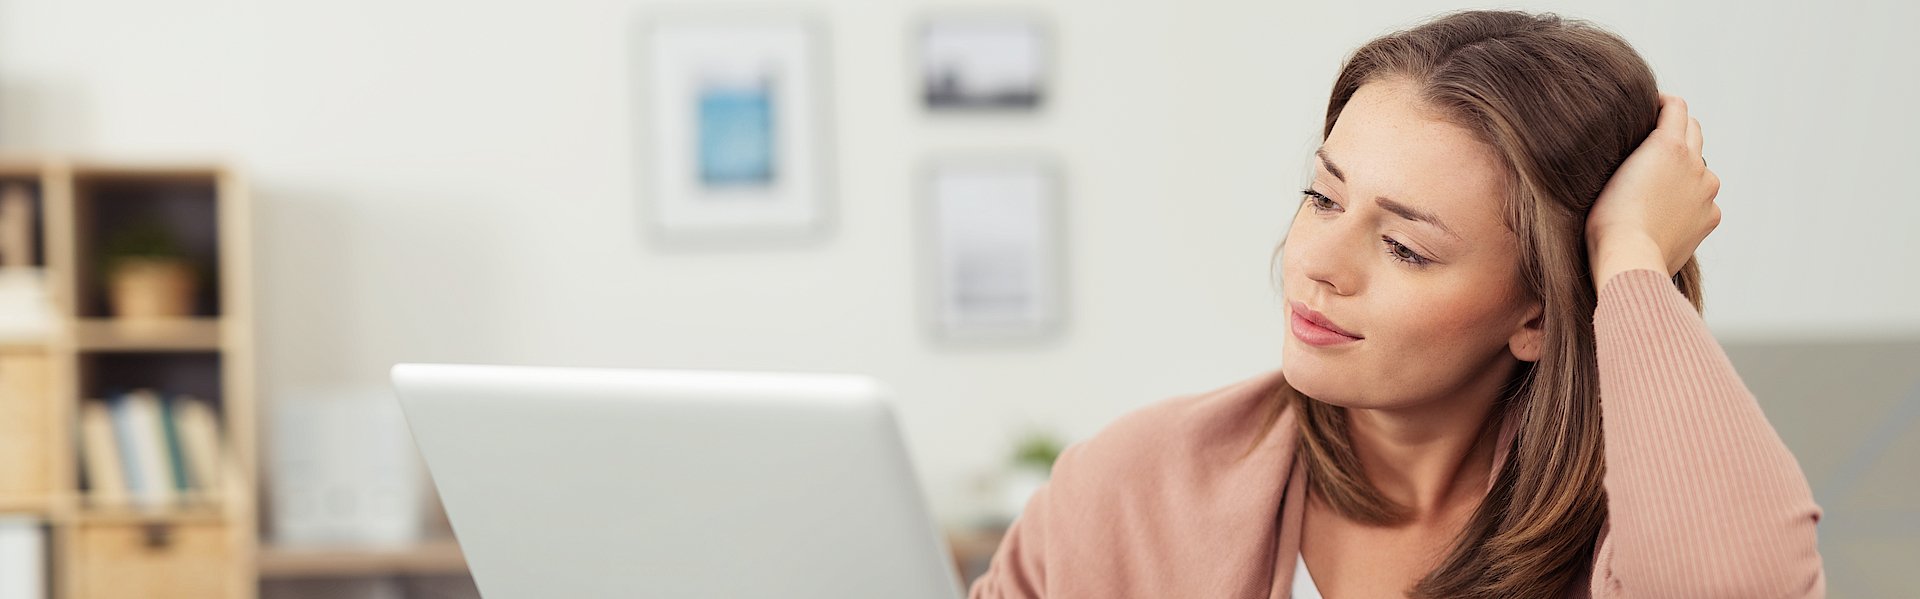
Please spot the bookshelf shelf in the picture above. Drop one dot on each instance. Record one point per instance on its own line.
(431, 558)
(86, 227)
(113, 335)
(25, 504)
(22, 347)
(170, 516)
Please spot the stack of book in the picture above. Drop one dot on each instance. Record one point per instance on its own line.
(149, 451)
(26, 315)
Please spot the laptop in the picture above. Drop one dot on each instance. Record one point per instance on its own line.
(600, 483)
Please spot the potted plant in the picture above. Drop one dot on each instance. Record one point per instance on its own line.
(1033, 458)
(148, 274)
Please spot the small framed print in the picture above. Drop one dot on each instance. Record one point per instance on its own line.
(983, 63)
(733, 129)
(994, 235)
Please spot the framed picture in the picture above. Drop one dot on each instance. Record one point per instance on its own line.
(734, 136)
(983, 63)
(994, 249)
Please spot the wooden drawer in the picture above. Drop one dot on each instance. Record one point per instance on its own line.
(155, 561)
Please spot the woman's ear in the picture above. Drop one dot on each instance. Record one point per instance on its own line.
(1525, 343)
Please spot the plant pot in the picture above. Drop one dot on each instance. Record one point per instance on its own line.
(150, 288)
(1019, 486)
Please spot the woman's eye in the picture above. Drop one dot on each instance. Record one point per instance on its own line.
(1320, 202)
(1403, 253)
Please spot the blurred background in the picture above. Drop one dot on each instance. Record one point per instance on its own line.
(440, 181)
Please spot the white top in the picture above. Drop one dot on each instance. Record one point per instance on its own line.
(1302, 581)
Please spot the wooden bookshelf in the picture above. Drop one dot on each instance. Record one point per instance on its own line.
(204, 546)
(427, 559)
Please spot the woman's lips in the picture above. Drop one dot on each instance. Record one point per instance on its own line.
(1313, 328)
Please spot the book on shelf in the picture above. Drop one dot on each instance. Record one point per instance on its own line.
(199, 434)
(148, 450)
(176, 466)
(23, 558)
(143, 448)
(100, 455)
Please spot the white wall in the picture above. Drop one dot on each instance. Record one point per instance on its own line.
(445, 180)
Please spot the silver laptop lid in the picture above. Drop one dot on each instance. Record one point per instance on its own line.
(591, 483)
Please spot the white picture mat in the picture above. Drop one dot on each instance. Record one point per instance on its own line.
(995, 249)
(684, 53)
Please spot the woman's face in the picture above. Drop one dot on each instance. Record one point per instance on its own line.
(1401, 277)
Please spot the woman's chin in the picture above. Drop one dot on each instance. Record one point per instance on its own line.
(1332, 388)
(1313, 381)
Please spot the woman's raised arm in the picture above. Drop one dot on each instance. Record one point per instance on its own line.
(1704, 500)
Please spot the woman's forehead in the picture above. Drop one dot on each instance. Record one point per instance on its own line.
(1388, 144)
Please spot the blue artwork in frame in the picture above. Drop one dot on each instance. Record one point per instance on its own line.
(736, 135)
(734, 131)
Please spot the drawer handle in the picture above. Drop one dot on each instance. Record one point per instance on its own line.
(158, 535)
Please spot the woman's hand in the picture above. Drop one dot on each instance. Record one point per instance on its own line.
(1659, 205)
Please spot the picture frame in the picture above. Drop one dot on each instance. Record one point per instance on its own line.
(994, 230)
(984, 63)
(731, 116)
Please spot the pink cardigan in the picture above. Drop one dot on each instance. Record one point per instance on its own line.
(1703, 498)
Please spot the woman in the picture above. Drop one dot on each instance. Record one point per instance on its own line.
(1491, 385)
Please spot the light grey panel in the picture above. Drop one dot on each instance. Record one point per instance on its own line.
(1851, 413)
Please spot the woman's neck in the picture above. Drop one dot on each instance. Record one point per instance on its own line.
(1434, 459)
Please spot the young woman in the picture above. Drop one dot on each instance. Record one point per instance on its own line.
(1496, 381)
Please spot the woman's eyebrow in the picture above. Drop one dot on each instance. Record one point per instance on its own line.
(1328, 163)
(1411, 213)
(1405, 211)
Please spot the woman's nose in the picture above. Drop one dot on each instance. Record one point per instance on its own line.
(1326, 254)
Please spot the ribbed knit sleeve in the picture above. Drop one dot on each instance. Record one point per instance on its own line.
(1018, 569)
(1703, 498)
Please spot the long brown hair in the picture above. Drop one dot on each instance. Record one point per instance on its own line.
(1562, 103)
